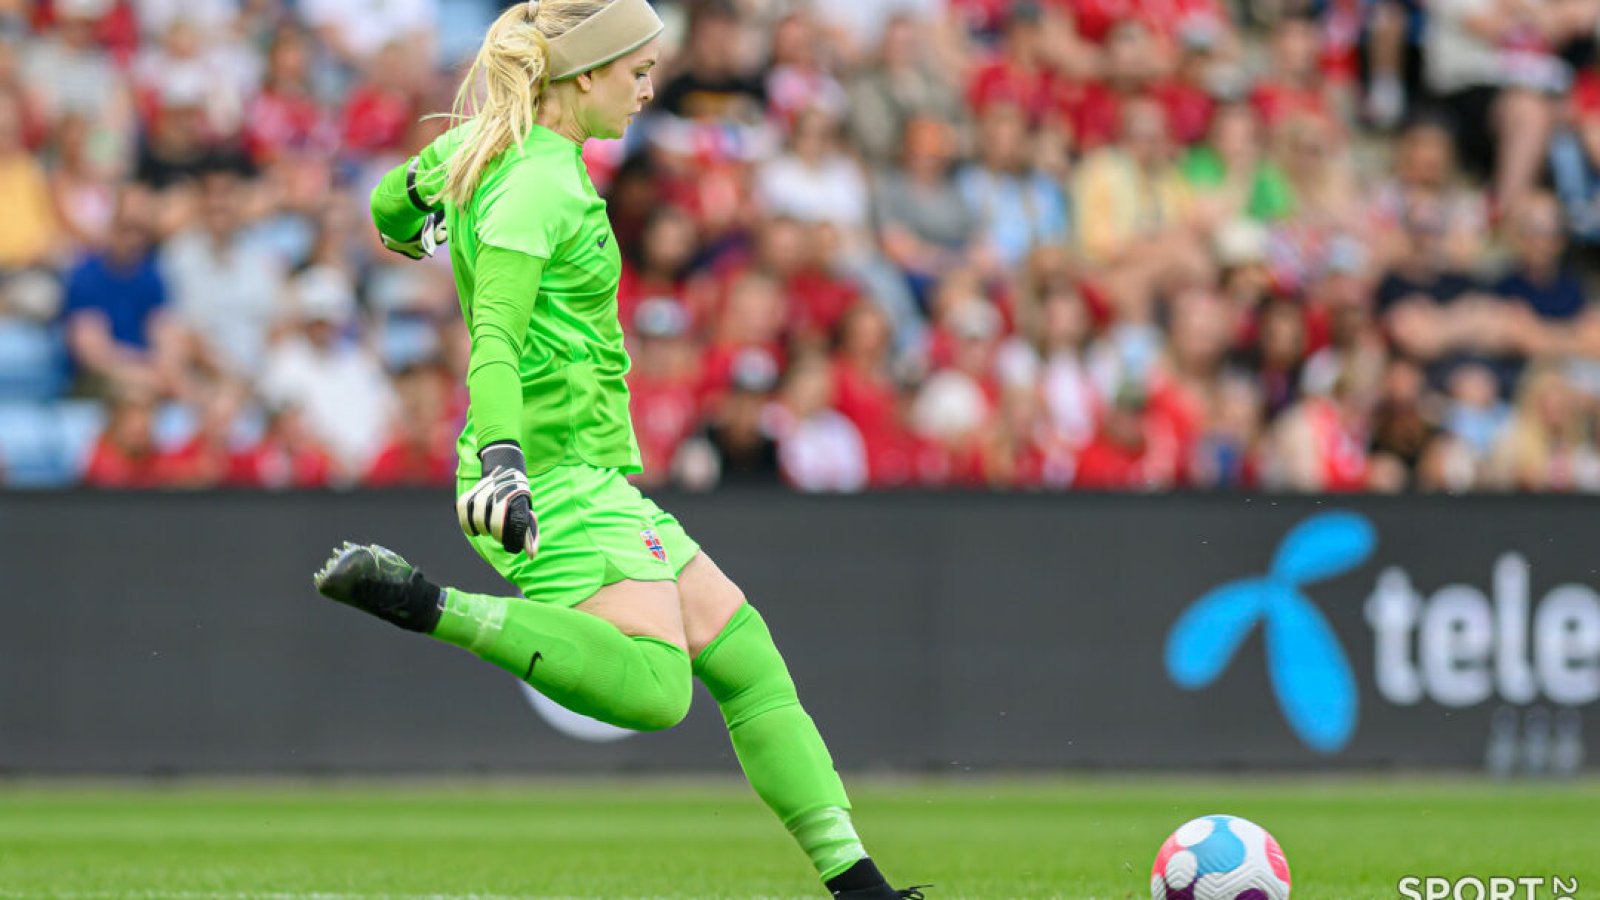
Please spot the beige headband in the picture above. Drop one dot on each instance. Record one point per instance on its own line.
(618, 29)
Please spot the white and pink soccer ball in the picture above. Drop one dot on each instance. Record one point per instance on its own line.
(1220, 858)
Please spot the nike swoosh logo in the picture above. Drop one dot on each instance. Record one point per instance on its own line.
(602, 242)
(531, 663)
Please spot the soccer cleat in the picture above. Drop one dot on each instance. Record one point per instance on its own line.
(882, 893)
(377, 580)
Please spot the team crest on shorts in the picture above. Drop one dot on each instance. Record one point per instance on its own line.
(653, 544)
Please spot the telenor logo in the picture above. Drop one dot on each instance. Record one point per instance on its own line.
(1310, 674)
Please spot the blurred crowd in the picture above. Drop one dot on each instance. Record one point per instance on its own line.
(1015, 244)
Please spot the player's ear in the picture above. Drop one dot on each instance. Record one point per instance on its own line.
(585, 81)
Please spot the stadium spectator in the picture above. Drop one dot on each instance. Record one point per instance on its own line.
(121, 334)
(289, 456)
(662, 385)
(816, 181)
(418, 452)
(126, 455)
(1017, 207)
(818, 448)
(226, 290)
(901, 85)
(1548, 447)
(333, 379)
(925, 226)
(1495, 64)
(83, 187)
(31, 235)
(1229, 175)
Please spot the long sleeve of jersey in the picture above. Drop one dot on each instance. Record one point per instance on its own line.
(507, 283)
(408, 192)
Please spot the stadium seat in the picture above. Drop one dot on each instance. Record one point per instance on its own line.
(30, 446)
(30, 362)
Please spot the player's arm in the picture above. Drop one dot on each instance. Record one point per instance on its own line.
(506, 284)
(406, 207)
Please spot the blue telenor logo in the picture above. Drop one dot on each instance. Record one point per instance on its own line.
(1310, 674)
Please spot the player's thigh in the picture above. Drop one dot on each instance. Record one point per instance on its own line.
(640, 609)
(708, 599)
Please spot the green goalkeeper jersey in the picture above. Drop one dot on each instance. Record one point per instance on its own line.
(536, 268)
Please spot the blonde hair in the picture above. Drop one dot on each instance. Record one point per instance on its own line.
(514, 62)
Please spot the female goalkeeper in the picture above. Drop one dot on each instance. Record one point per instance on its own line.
(620, 607)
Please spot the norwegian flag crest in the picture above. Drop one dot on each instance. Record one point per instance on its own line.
(653, 544)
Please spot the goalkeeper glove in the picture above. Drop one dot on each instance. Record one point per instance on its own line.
(500, 503)
(427, 239)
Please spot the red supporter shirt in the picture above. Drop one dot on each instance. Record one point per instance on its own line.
(402, 464)
(376, 119)
(664, 412)
(1001, 81)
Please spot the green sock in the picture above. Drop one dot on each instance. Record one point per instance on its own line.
(778, 746)
(580, 661)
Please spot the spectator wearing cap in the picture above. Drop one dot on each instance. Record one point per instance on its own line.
(737, 445)
(225, 289)
(120, 330)
(333, 378)
(661, 385)
(819, 449)
(956, 403)
(1018, 207)
(902, 84)
(749, 326)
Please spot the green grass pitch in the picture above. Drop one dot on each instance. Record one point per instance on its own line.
(1075, 838)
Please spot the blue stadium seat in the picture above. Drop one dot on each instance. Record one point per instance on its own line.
(30, 362)
(78, 423)
(30, 446)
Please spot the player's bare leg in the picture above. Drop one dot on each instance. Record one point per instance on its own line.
(778, 745)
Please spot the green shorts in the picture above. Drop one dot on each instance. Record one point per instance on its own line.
(595, 528)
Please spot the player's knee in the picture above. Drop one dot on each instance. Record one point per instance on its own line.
(664, 710)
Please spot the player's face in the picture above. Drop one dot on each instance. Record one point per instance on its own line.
(619, 90)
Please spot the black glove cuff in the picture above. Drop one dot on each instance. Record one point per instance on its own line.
(501, 455)
(411, 188)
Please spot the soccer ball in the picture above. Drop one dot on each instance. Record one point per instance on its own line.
(1220, 858)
